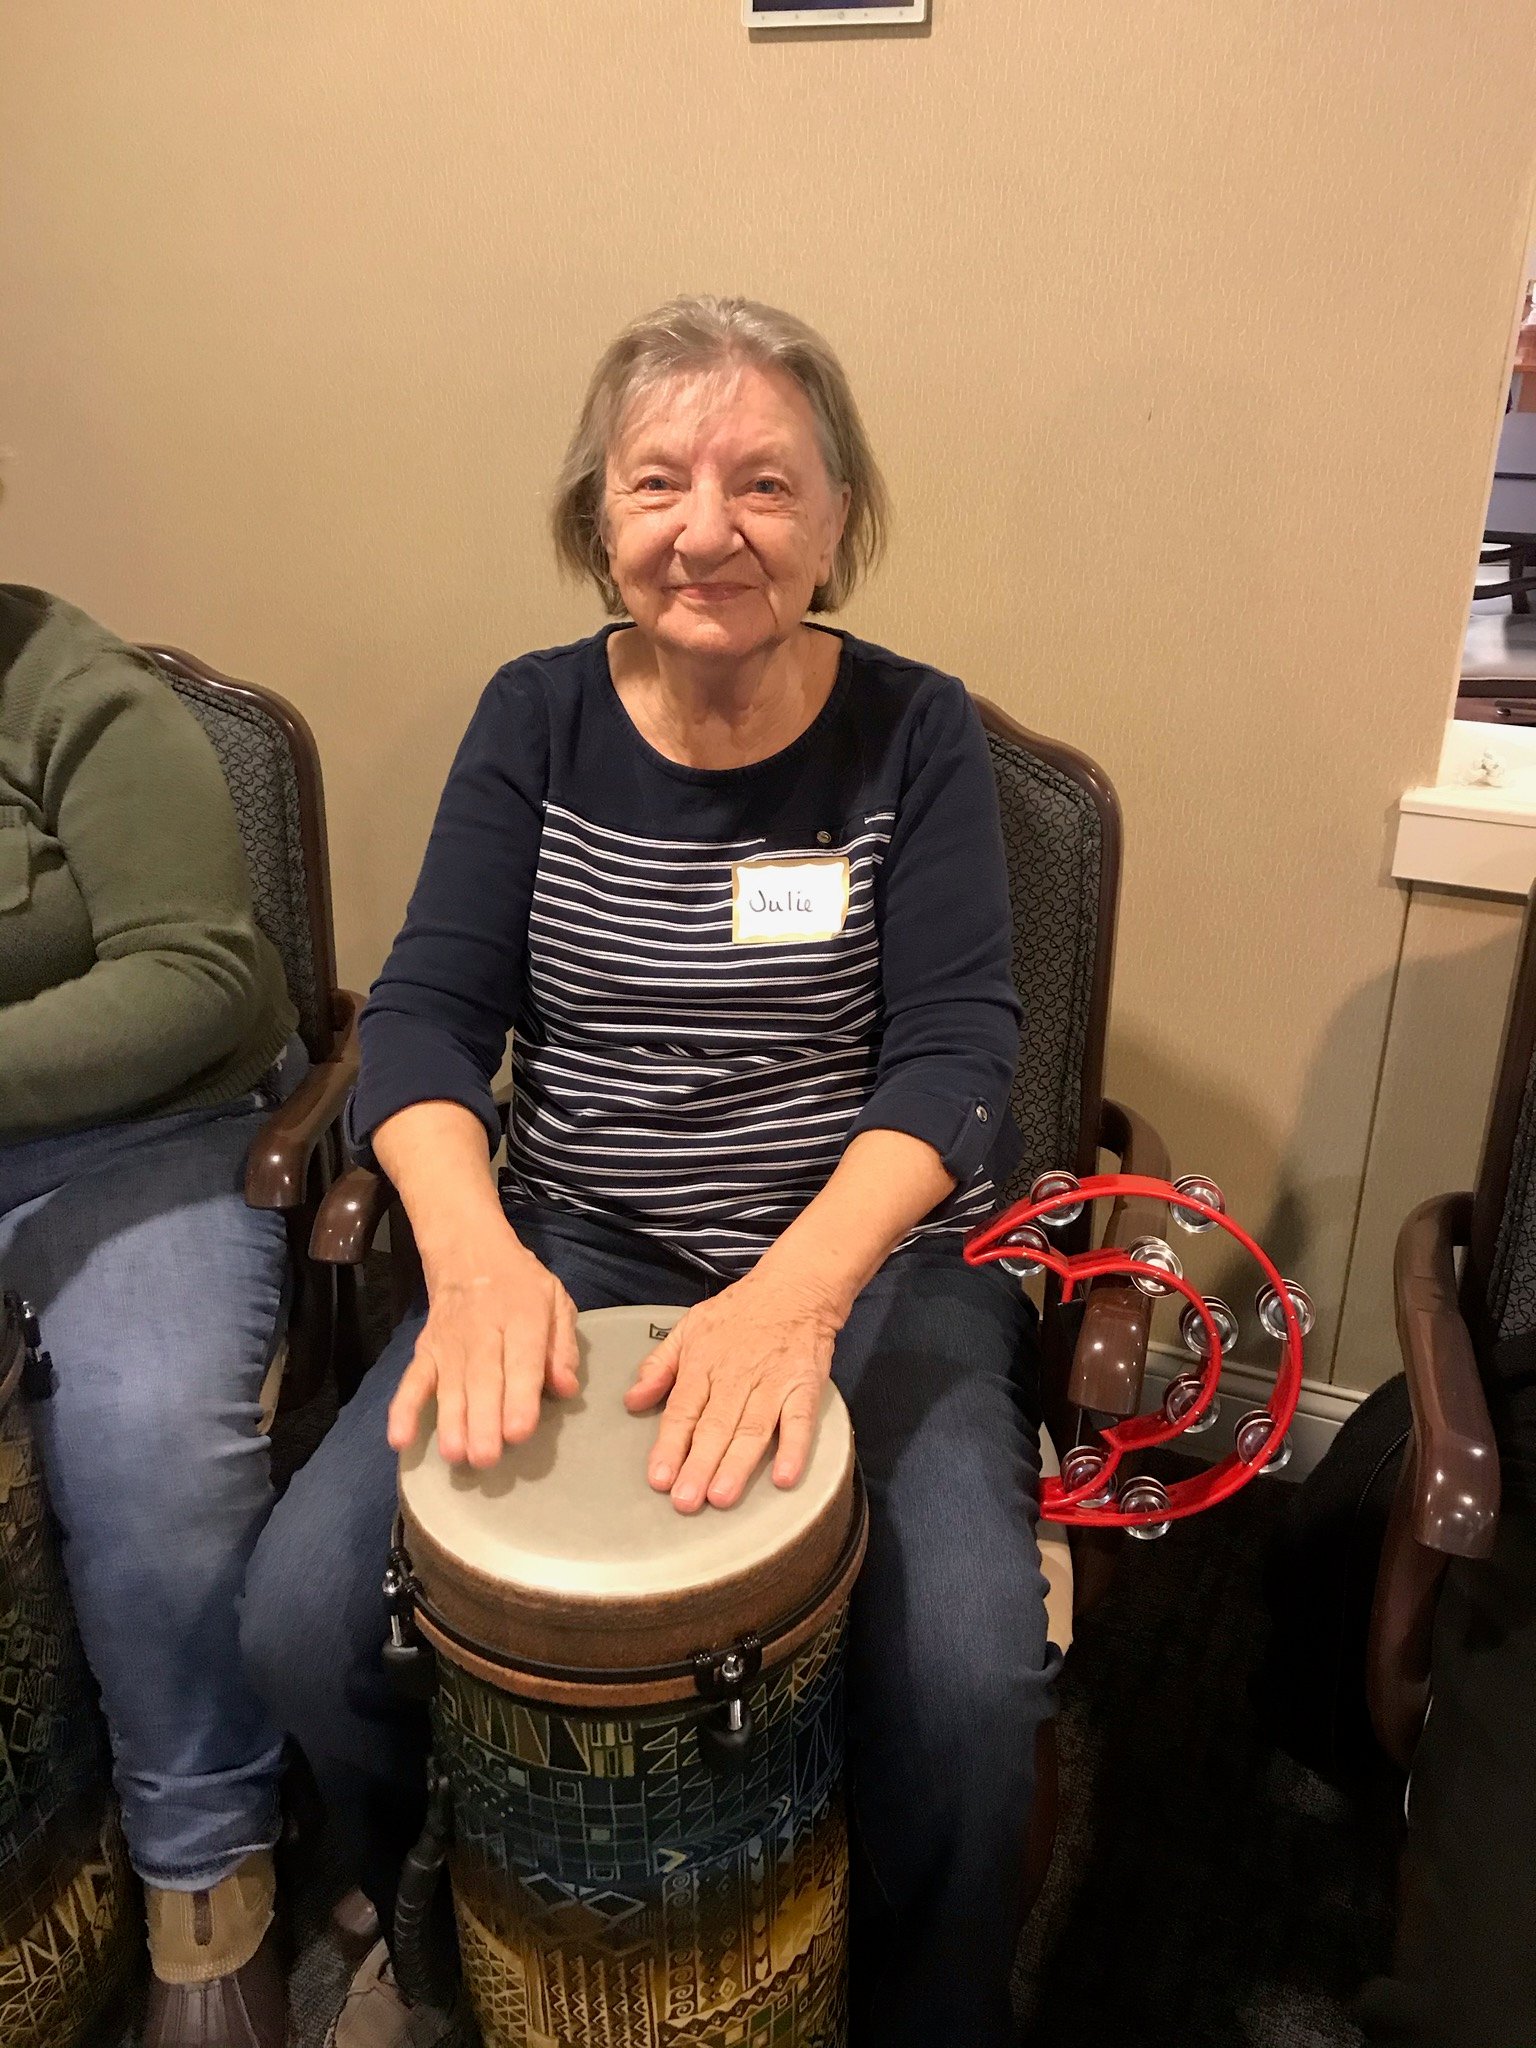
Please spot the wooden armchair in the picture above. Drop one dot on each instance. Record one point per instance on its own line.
(1449, 1323)
(272, 766)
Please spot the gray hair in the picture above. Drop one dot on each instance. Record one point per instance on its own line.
(697, 334)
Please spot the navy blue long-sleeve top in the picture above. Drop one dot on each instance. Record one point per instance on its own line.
(714, 978)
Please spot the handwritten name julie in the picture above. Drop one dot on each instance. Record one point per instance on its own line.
(781, 903)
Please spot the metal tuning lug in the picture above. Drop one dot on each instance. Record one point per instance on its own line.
(38, 1378)
(1252, 1436)
(1272, 1315)
(1140, 1495)
(723, 1676)
(1183, 1392)
(1029, 1238)
(1153, 1251)
(1197, 1188)
(1192, 1329)
(1048, 1184)
(410, 1662)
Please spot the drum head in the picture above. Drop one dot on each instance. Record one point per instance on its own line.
(562, 1554)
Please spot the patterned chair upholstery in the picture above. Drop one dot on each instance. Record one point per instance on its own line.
(272, 767)
(256, 753)
(1061, 834)
(1510, 1308)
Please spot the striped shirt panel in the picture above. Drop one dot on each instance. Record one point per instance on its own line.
(669, 1079)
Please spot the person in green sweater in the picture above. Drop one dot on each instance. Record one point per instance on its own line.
(145, 1032)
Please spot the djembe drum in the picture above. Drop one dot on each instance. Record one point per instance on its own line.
(638, 1718)
(66, 1896)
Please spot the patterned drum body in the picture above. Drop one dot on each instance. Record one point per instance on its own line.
(611, 1887)
(67, 1905)
(618, 1884)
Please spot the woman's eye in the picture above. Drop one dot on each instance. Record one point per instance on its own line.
(766, 487)
(653, 483)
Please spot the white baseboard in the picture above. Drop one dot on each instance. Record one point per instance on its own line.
(1321, 1411)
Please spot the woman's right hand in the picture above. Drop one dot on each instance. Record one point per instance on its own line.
(500, 1331)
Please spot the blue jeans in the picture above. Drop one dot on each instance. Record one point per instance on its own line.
(160, 1297)
(949, 1671)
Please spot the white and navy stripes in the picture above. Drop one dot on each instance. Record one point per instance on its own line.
(694, 1088)
(666, 1077)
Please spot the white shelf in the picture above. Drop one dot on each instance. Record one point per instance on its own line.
(1476, 827)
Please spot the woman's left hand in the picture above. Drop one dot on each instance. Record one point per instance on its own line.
(750, 1361)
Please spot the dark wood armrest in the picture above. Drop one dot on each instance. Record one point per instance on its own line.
(355, 1204)
(1110, 1359)
(1455, 1504)
(1447, 1498)
(277, 1165)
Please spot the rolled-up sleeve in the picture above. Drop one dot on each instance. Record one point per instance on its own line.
(950, 1037)
(436, 1021)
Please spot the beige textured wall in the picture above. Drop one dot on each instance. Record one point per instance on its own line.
(1181, 325)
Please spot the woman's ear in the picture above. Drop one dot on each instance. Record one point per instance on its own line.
(841, 500)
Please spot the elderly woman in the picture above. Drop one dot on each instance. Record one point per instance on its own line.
(785, 1122)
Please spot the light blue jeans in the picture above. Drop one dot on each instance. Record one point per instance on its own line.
(160, 1296)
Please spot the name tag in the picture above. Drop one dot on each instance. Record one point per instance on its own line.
(788, 902)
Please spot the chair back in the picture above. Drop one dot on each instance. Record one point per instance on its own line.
(1498, 1293)
(272, 766)
(1061, 831)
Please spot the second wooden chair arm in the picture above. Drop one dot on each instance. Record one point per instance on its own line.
(349, 1217)
(1446, 1502)
(1109, 1361)
(1455, 1504)
(277, 1165)
(355, 1207)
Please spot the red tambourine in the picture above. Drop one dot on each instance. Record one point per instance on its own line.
(1089, 1491)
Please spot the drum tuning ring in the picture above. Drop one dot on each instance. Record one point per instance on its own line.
(1047, 1184)
(1192, 1328)
(1153, 1251)
(1254, 1430)
(1272, 1315)
(1183, 1392)
(1136, 1497)
(1198, 1188)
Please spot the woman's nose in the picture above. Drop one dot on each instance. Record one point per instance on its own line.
(708, 530)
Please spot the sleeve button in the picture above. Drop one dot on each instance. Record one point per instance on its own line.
(983, 1114)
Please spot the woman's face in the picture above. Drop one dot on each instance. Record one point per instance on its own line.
(719, 516)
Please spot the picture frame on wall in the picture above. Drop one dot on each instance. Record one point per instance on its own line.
(830, 13)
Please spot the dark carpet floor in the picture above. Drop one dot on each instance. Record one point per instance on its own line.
(1206, 1892)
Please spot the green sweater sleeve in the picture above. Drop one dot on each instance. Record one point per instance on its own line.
(133, 794)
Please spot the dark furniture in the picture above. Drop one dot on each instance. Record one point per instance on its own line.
(1449, 1321)
(271, 764)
